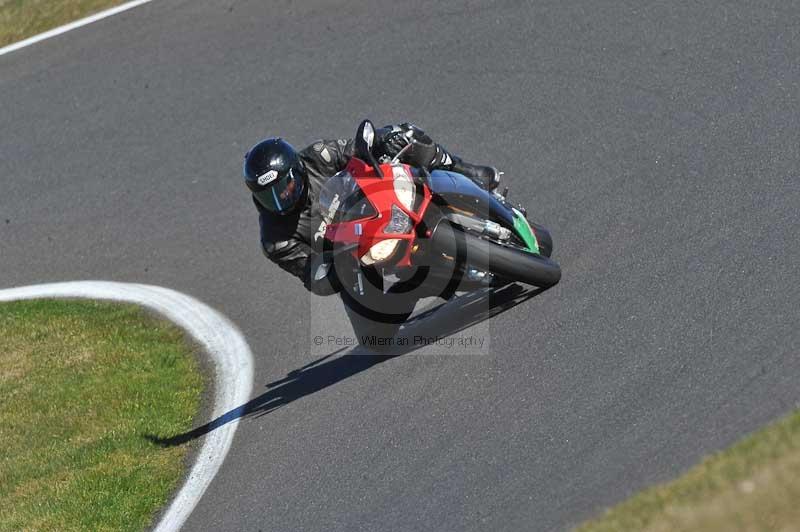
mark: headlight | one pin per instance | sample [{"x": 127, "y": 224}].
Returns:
[
  {"x": 380, "y": 251},
  {"x": 404, "y": 188},
  {"x": 399, "y": 223}
]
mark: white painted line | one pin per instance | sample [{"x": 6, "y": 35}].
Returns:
[
  {"x": 233, "y": 365},
  {"x": 71, "y": 26}
]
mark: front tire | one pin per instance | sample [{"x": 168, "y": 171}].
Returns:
[{"x": 376, "y": 316}]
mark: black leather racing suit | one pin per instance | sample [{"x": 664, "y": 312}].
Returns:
[{"x": 293, "y": 240}]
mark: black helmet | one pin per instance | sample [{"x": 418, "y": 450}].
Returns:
[{"x": 275, "y": 175}]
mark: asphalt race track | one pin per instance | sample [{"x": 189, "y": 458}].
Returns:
[{"x": 660, "y": 144}]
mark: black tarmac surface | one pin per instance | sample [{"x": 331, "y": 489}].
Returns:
[{"x": 659, "y": 143}]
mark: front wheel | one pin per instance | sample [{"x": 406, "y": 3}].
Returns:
[
  {"x": 504, "y": 261},
  {"x": 375, "y": 315}
]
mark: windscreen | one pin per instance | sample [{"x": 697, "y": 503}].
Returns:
[{"x": 342, "y": 200}]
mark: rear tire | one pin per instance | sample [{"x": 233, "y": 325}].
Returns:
[
  {"x": 543, "y": 238},
  {"x": 504, "y": 261}
]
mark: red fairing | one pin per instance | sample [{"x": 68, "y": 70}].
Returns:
[{"x": 381, "y": 194}]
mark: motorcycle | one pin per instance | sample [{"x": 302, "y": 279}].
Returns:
[{"x": 396, "y": 233}]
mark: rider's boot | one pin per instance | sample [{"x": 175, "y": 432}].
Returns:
[{"x": 486, "y": 177}]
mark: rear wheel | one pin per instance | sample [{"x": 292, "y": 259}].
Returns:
[
  {"x": 505, "y": 261},
  {"x": 543, "y": 238}
]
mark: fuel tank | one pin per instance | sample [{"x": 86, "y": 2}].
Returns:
[{"x": 459, "y": 191}]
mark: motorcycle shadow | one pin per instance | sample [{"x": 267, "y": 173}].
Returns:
[
  {"x": 442, "y": 320},
  {"x": 463, "y": 311}
]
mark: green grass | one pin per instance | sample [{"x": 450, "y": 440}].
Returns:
[
  {"x": 23, "y": 18},
  {"x": 81, "y": 384},
  {"x": 754, "y": 485}
]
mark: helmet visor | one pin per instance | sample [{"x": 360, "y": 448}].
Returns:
[{"x": 283, "y": 195}]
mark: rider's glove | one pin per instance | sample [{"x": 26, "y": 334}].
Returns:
[
  {"x": 392, "y": 139},
  {"x": 320, "y": 277}
]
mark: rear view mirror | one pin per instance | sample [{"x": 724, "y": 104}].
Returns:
[
  {"x": 368, "y": 133},
  {"x": 364, "y": 142}
]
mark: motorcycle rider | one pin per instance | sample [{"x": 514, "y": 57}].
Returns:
[{"x": 285, "y": 183}]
